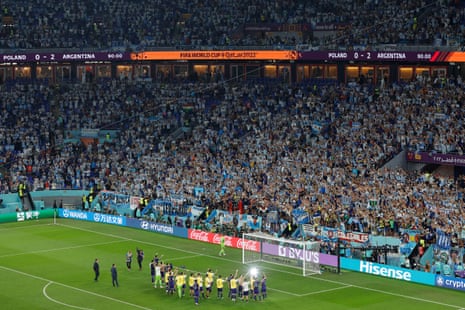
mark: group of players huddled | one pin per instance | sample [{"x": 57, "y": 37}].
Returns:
[{"x": 243, "y": 287}]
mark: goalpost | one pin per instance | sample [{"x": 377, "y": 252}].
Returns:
[{"x": 304, "y": 255}]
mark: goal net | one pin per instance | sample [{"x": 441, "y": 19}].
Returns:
[{"x": 303, "y": 255}]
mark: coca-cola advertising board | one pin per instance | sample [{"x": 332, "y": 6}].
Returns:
[{"x": 214, "y": 238}]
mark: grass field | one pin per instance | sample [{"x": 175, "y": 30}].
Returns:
[{"x": 49, "y": 266}]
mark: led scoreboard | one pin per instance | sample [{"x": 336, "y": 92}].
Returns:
[
  {"x": 217, "y": 55},
  {"x": 64, "y": 57}
]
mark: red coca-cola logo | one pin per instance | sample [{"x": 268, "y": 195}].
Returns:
[
  {"x": 248, "y": 245},
  {"x": 198, "y": 235},
  {"x": 216, "y": 238}
]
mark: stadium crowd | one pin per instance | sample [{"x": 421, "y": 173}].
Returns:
[
  {"x": 269, "y": 146},
  {"x": 135, "y": 24},
  {"x": 251, "y": 146}
]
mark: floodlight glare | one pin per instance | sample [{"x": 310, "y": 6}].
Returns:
[{"x": 253, "y": 271}]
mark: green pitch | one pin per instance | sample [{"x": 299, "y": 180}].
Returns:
[{"x": 49, "y": 266}]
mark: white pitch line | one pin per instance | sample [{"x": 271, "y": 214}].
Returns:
[
  {"x": 143, "y": 242},
  {"x": 327, "y": 290},
  {"x": 181, "y": 257},
  {"x": 61, "y": 249},
  {"x": 311, "y": 293},
  {"x": 74, "y": 288},
  {"x": 44, "y": 291},
  {"x": 408, "y": 297},
  {"x": 9, "y": 228}
]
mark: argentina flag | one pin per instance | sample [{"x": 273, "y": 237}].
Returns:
[
  {"x": 316, "y": 127},
  {"x": 442, "y": 240}
]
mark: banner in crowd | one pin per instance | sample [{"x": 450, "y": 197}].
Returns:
[
  {"x": 300, "y": 216},
  {"x": 195, "y": 211},
  {"x": 334, "y": 234},
  {"x": 225, "y": 217},
  {"x": 114, "y": 199},
  {"x": 309, "y": 230},
  {"x": 272, "y": 217},
  {"x": 409, "y": 234},
  {"x": 443, "y": 240},
  {"x": 89, "y": 133},
  {"x": 134, "y": 202},
  {"x": 252, "y": 221},
  {"x": 317, "y": 126}
]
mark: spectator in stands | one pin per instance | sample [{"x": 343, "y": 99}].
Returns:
[{"x": 180, "y": 24}]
